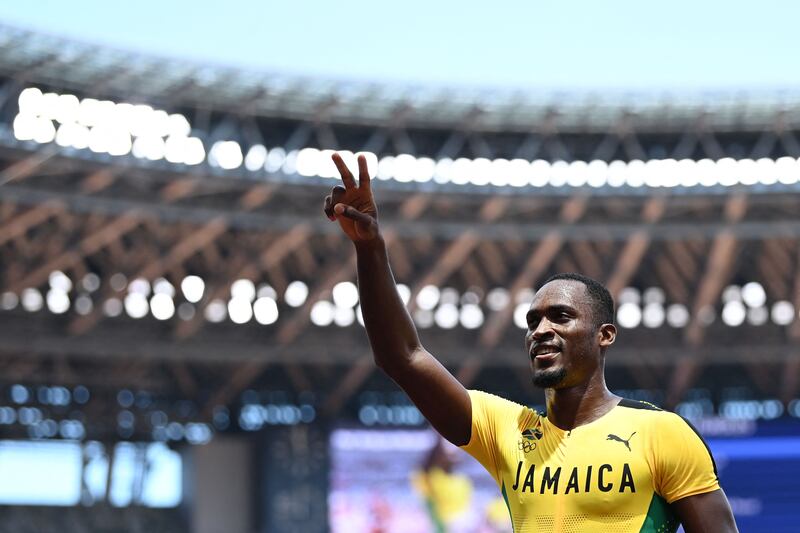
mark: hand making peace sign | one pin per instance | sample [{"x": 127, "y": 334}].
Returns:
[{"x": 353, "y": 206}]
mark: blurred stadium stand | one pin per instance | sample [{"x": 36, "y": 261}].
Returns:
[{"x": 167, "y": 274}]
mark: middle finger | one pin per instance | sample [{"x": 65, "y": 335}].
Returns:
[{"x": 347, "y": 177}]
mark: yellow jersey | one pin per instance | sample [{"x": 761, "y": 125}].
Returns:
[{"x": 618, "y": 473}]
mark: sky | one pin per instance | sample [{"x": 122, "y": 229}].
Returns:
[{"x": 682, "y": 45}]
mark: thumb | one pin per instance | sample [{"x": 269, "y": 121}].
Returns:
[{"x": 352, "y": 213}]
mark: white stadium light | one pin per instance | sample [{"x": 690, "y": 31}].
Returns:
[
  {"x": 629, "y": 315},
  {"x": 256, "y": 158},
  {"x": 178, "y": 126},
  {"x": 112, "y": 307},
  {"x": 192, "y": 288},
  {"x": 597, "y": 174},
  {"x": 122, "y": 128},
  {"x": 322, "y": 313},
  {"x": 265, "y": 310},
  {"x": 757, "y": 316},
  {"x": 446, "y": 316},
  {"x": 753, "y": 294},
  {"x": 57, "y": 301},
  {"x": 385, "y": 168},
  {"x": 215, "y": 311},
  {"x": 783, "y": 313},
  {"x": 481, "y": 171},
  {"x": 617, "y": 173},
  {"x": 266, "y": 290},
  {"x": 404, "y": 292},
  {"x": 441, "y": 173},
  {"x": 83, "y": 305},
  {"x": 32, "y": 300},
  {"x": 635, "y": 173},
  {"x": 577, "y": 172},
  {"x": 8, "y": 301},
  {"x": 460, "y": 171},
  {"x": 193, "y": 151},
  {"x": 162, "y": 286},
  {"x": 59, "y": 280},
  {"x": 629, "y": 295},
  {"x": 244, "y": 289},
  {"x": 289, "y": 166},
  {"x": 428, "y": 297},
  {"x": 344, "y": 316},
  {"x": 653, "y": 315},
  {"x": 139, "y": 286},
  {"x": 521, "y": 315},
  {"x": 559, "y": 174},
  {"x": 732, "y": 293},
  {"x": 239, "y": 310},
  {"x": 308, "y": 162},
  {"x": 136, "y": 305},
  {"x": 296, "y": 294},
  {"x": 151, "y": 148},
  {"x": 734, "y": 313},
  {"x": 471, "y": 316},
  {"x": 539, "y": 173},
  {"x": 345, "y": 294},
  {"x": 275, "y": 159},
  {"x": 162, "y": 306},
  {"x": 423, "y": 318},
  {"x": 787, "y": 170},
  {"x": 521, "y": 172},
  {"x": 226, "y": 155},
  {"x": 498, "y": 299},
  {"x": 30, "y": 101},
  {"x": 677, "y": 315}
]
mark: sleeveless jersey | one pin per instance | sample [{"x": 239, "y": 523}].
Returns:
[{"x": 617, "y": 473}]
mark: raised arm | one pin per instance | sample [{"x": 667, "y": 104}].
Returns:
[{"x": 395, "y": 344}]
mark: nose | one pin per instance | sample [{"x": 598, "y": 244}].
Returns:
[{"x": 542, "y": 331}]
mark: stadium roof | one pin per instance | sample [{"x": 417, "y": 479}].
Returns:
[{"x": 97, "y": 69}]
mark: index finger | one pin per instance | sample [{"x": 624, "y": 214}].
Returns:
[
  {"x": 363, "y": 173},
  {"x": 347, "y": 177}
]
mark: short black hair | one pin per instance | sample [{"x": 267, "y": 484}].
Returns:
[{"x": 601, "y": 301}]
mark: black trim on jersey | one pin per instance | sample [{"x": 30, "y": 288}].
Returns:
[
  {"x": 699, "y": 436},
  {"x": 636, "y": 404}
]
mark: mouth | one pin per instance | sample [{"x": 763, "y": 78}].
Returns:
[{"x": 545, "y": 352}]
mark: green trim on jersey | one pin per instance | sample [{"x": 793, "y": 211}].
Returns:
[
  {"x": 508, "y": 506},
  {"x": 659, "y": 517}
]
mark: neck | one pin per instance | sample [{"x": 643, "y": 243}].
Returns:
[{"x": 570, "y": 407}]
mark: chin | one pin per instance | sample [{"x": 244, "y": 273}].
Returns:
[{"x": 549, "y": 378}]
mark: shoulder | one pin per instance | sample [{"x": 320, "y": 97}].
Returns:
[
  {"x": 662, "y": 423},
  {"x": 484, "y": 402},
  {"x": 655, "y": 415},
  {"x": 668, "y": 427}
]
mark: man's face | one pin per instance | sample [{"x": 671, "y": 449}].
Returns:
[{"x": 562, "y": 339}]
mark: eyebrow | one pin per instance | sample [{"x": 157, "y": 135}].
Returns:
[{"x": 558, "y": 308}]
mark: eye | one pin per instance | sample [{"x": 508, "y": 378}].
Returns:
[{"x": 561, "y": 316}]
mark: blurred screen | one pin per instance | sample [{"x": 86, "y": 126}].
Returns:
[
  {"x": 391, "y": 481},
  {"x": 387, "y": 480}
]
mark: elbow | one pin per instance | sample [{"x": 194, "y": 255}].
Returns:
[{"x": 396, "y": 362}]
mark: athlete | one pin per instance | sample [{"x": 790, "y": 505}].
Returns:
[{"x": 595, "y": 461}]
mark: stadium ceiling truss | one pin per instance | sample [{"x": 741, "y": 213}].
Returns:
[{"x": 63, "y": 213}]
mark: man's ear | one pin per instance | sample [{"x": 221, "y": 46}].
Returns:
[{"x": 607, "y": 334}]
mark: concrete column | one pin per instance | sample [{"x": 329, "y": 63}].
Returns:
[{"x": 218, "y": 486}]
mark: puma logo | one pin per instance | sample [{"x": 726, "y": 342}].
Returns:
[{"x": 626, "y": 442}]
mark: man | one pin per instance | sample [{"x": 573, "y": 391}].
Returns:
[{"x": 595, "y": 462}]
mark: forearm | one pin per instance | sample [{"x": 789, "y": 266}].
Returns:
[{"x": 390, "y": 329}]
